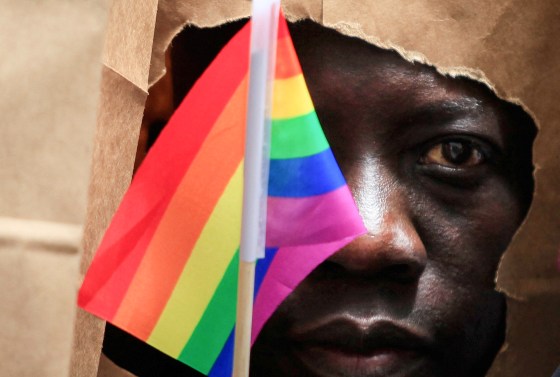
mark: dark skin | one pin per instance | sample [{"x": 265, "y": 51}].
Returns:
[
  {"x": 441, "y": 172},
  {"x": 437, "y": 168}
]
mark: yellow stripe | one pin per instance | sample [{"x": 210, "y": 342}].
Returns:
[
  {"x": 209, "y": 260},
  {"x": 290, "y": 98}
]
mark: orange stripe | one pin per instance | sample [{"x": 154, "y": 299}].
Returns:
[
  {"x": 287, "y": 62},
  {"x": 184, "y": 219}
]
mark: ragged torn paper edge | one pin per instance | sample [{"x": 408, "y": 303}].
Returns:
[
  {"x": 517, "y": 297},
  {"x": 171, "y": 17},
  {"x": 353, "y": 29}
]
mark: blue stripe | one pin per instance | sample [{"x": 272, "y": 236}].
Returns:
[
  {"x": 306, "y": 176},
  {"x": 262, "y": 267},
  {"x": 223, "y": 367}
]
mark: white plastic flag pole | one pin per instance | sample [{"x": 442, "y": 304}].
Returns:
[{"x": 264, "y": 31}]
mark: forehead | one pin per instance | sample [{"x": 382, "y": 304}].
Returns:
[
  {"x": 351, "y": 79},
  {"x": 373, "y": 91},
  {"x": 353, "y": 68}
]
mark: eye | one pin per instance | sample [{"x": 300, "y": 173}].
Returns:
[{"x": 454, "y": 154}]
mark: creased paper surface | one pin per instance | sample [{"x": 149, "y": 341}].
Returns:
[
  {"x": 511, "y": 45},
  {"x": 120, "y": 114},
  {"x": 49, "y": 79}
]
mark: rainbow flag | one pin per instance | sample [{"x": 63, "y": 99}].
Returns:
[{"x": 166, "y": 269}]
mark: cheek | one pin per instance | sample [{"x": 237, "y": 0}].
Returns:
[
  {"x": 465, "y": 234},
  {"x": 466, "y": 237},
  {"x": 468, "y": 323}
]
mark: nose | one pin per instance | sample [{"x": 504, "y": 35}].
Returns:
[{"x": 392, "y": 248}]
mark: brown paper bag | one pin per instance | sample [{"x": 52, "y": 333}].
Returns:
[
  {"x": 510, "y": 45},
  {"x": 50, "y": 74}
]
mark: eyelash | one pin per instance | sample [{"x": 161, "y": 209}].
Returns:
[
  {"x": 455, "y": 149},
  {"x": 459, "y": 175}
]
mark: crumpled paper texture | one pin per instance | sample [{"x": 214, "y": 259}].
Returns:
[
  {"x": 511, "y": 45},
  {"x": 49, "y": 75}
]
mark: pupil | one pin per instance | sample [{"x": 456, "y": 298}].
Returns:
[{"x": 456, "y": 152}]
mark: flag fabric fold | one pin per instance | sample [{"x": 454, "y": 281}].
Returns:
[{"x": 166, "y": 269}]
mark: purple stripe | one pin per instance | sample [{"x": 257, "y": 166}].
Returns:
[
  {"x": 290, "y": 266},
  {"x": 311, "y": 220}
]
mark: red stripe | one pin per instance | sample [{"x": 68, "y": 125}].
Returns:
[
  {"x": 107, "y": 282},
  {"x": 162, "y": 170},
  {"x": 287, "y": 62},
  {"x": 185, "y": 218},
  {"x": 283, "y": 30}
]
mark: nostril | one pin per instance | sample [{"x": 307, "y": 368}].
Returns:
[
  {"x": 395, "y": 254},
  {"x": 399, "y": 269},
  {"x": 331, "y": 268},
  {"x": 402, "y": 272}
]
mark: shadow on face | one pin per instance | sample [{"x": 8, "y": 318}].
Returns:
[{"x": 441, "y": 172}]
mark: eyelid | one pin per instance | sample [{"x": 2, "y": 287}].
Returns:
[
  {"x": 422, "y": 132},
  {"x": 463, "y": 177},
  {"x": 488, "y": 149},
  {"x": 470, "y": 155}
]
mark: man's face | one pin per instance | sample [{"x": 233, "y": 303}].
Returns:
[{"x": 441, "y": 174}]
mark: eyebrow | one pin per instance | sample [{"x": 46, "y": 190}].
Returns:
[
  {"x": 447, "y": 108},
  {"x": 444, "y": 112}
]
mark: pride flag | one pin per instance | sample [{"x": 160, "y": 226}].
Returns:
[{"x": 166, "y": 269}]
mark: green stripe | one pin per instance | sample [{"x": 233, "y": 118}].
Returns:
[
  {"x": 211, "y": 333},
  {"x": 297, "y": 137}
]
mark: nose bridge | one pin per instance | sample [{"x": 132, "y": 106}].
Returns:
[{"x": 392, "y": 241}]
